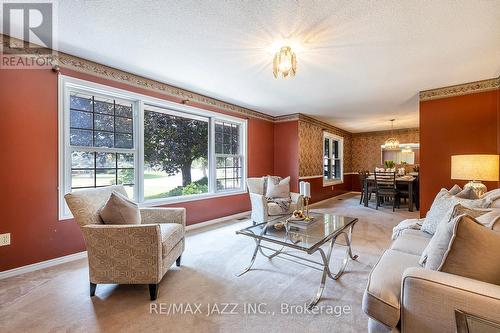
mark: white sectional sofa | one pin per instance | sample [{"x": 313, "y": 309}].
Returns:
[{"x": 402, "y": 296}]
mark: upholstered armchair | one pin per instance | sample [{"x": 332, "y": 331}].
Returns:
[
  {"x": 128, "y": 254},
  {"x": 262, "y": 209}
]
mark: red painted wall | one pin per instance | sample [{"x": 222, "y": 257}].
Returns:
[
  {"x": 28, "y": 133},
  {"x": 320, "y": 192},
  {"x": 286, "y": 152},
  {"x": 468, "y": 124},
  {"x": 356, "y": 185}
]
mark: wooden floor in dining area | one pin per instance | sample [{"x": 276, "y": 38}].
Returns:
[{"x": 56, "y": 299}]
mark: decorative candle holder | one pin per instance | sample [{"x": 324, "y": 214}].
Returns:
[
  {"x": 307, "y": 218},
  {"x": 305, "y": 191}
]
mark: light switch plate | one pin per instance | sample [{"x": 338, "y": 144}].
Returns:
[{"x": 4, "y": 239}]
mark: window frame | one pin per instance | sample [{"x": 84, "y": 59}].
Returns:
[
  {"x": 67, "y": 84},
  {"x": 332, "y": 137},
  {"x": 241, "y": 155}
]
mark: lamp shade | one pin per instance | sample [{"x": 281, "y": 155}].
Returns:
[{"x": 474, "y": 167}]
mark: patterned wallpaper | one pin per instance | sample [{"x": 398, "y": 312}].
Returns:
[
  {"x": 366, "y": 146},
  {"x": 311, "y": 147}
]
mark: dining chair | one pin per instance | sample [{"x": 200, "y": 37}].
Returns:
[
  {"x": 385, "y": 183},
  {"x": 404, "y": 192},
  {"x": 363, "y": 175}
]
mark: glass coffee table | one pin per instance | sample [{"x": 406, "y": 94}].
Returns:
[{"x": 295, "y": 237}]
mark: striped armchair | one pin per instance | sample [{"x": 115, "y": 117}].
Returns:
[{"x": 128, "y": 254}]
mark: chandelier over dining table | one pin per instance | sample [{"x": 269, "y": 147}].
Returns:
[{"x": 392, "y": 142}]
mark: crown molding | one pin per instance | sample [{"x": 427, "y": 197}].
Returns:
[
  {"x": 77, "y": 64},
  {"x": 89, "y": 67},
  {"x": 322, "y": 124},
  {"x": 460, "y": 89},
  {"x": 387, "y": 132},
  {"x": 287, "y": 117},
  {"x": 313, "y": 121}
]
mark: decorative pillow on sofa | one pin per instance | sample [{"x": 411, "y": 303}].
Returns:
[
  {"x": 455, "y": 190},
  {"x": 432, "y": 256},
  {"x": 120, "y": 210},
  {"x": 442, "y": 208},
  {"x": 491, "y": 219},
  {"x": 278, "y": 189},
  {"x": 473, "y": 252},
  {"x": 493, "y": 196},
  {"x": 467, "y": 193}
]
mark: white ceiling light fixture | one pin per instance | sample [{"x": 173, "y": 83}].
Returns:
[
  {"x": 285, "y": 63},
  {"x": 392, "y": 142}
]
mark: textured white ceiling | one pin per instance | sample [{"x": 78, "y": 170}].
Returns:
[{"x": 360, "y": 63}]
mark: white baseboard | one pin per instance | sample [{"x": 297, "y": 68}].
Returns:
[
  {"x": 43, "y": 264},
  {"x": 217, "y": 220},
  {"x": 80, "y": 255}
]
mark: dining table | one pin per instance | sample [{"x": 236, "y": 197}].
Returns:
[{"x": 407, "y": 181}]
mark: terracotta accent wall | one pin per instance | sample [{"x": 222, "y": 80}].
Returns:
[
  {"x": 286, "y": 151},
  {"x": 366, "y": 153},
  {"x": 29, "y": 196},
  {"x": 467, "y": 124},
  {"x": 28, "y": 131}
]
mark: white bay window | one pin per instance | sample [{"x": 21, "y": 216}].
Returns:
[{"x": 162, "y": 152}]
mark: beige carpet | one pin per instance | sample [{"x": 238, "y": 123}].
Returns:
[{"x": 56, "y": 299}]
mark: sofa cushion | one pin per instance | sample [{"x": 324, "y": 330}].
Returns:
[
  {"x": 473, "y": 252},
  {"x": 382, "y": 294},
  {"x": 411, "y": 243},
  {"x": 171, "y": 234}
]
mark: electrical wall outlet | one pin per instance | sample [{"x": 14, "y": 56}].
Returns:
[{"x": 4, "y": 239}]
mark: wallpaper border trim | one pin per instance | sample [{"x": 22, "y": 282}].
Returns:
[
  {"x": 322, "y": 124},
  {"x": 77, "y": 64},
  {"x": 460, "y": 89},
  {"x": 386, "y": 132}
]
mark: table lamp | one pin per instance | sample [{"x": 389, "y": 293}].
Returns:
[{"x": 475, "y": 168}]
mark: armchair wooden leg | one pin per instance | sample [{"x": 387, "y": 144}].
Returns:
[
  {"x": 92, "y": 288},
  {"x": 178, "y": 261},
  {"x": 153, "y": 291}
]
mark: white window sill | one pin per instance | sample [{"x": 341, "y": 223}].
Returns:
[{"x": 188, "y": 198}]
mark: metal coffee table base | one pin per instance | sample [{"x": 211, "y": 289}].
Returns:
[{"x": 323, "y": 266}]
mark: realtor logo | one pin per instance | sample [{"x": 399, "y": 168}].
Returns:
[{"x": 28, "y": 35}]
